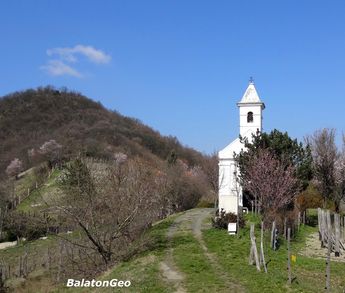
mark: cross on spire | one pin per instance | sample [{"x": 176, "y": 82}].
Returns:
[{"x": 251, "y": 80}]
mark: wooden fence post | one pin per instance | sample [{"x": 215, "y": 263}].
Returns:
[
  {"x": 329, "y": 227},
  {"x": 273, "y": 234},
  {"x": 328, "y": 268},
  {"x": 323, "y": 222},
  {"x": 305, "y": 217},
  {"x": 337, "y": 235},
  {"x": 344, "y": 228},
  {"x": 289, "y": 255},
  {"x": 262, "y": 254},
  {"x": 319, "y": 221},
  {"x": 2, "y": 283},
  {"x": 20, "y": 270},
  {"x": 253, "y": 257},
  {"x": 25, "y": 263},
  {"x": 58, "y": 276}
]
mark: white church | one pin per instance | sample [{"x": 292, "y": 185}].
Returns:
[{"x": 230, "y": 192}]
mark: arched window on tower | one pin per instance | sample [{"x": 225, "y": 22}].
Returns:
[{"x": 250, "y": 117}]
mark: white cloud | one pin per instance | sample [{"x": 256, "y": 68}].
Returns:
[
  {"x": 70, "y": 54},
  {"x": 58, "y": 68}
]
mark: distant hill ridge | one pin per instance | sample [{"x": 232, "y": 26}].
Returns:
[{"x": 31, "y": 117}]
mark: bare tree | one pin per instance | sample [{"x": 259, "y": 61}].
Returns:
[
  {"x": 52, "y": 151},
  {"x": 339, "y": 192},
  {"x": 120, "y": 158},
  {"x": 273, "y": 183},
  {"x": 183, "y": 188},
  {"x": 14, "y": 168},
  {"x": 112, "y": 215},
  {"x": 33, "y": 156},
  {"x": 211, "y": 170},
  {"x": 325, "y": 155}
]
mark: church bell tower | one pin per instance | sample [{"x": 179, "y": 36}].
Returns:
[
  {"x": 230, "y": 191},
  {"x": 250, "y": 108}
]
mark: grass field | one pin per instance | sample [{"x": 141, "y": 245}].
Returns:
[
  {"x": 142, "y": 270},
  {"x": 38, "y": 198},
  {"x": 230, "y": 252},
  {"x": 309, "y": 273}
]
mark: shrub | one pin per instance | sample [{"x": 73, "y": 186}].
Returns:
[
  {"x": 310, "y": 198},
  {"x": 222, "y": 219},
  {"x": 14, "y": 168},
  {"x": 20, "y": 224},
  {"x": 41, "y": 173},
  {"x": 205, "y": 204}
]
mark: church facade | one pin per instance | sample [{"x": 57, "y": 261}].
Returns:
[{"x": 230, "y": 197}]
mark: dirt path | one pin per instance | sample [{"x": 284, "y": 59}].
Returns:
[
  {"x": 313, "y": 249},
  {"x": 5, "y": 245},
  {"x": 193, "y": 221}
]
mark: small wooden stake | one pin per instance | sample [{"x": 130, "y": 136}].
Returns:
[
  {"x": 289, "y": 255},
  {"x": 328, "y": 268}
]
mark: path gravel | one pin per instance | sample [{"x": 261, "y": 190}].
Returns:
[
  {"x": 193, "y": 221},
  {"x": 313, "y": 249}
]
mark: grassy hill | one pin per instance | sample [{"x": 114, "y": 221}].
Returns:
[
  {"x": 89, "y": 207},
  {"x": 38, "y": 198}
]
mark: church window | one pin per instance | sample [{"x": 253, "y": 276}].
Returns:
[{"x": 250, "y": 117}]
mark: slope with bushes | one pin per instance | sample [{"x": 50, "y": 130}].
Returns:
[
  {"x": 93, "y": 183},
  {"x": 31, "y": 117}
]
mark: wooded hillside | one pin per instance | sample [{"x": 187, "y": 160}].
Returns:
[{"x": 31, "y": 117}]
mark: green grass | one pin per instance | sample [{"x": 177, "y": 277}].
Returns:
[
  {"x": 143, "y": 269},
  {"x": 143, "y": 272},
  {"x": 22, "y": 184},
  {"x": 41, "y": 195},
  {"x": 192, "y": 262},
  {"x": 39, "y": 246},
  {"x": 233, "y": 253},
  {"x": 37, "y": 251}
]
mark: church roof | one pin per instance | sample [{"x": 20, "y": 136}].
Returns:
[
  {"x": 251, "y": 95},
  {"x": 230, "y": 149},
  {"x": 234, "y": 147}
]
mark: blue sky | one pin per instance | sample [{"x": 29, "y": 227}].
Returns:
[{"x": 181, "y": 66}]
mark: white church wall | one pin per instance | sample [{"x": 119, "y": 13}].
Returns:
[
  {"x": 228, "y": 186},
  {"x": 228, "y": 203}
]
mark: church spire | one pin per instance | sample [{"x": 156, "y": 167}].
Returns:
[
  {"x": 250, "y": 95},
  {"x": 250, "y": 108}
]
